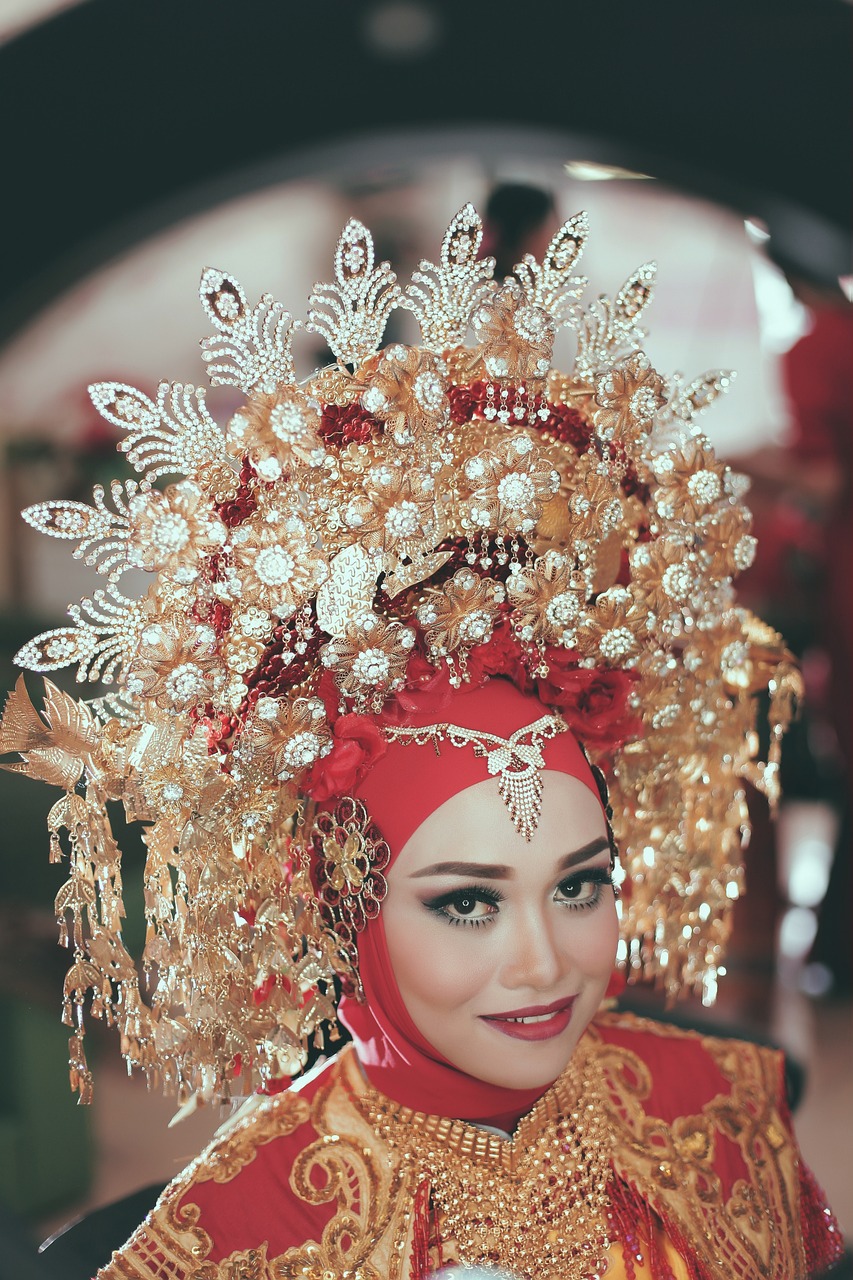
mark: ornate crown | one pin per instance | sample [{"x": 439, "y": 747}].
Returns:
[{"x": 406, "y": 516}]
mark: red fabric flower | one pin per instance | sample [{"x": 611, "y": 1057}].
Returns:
[
  {"x": 357, "y": 745},
  {"x": 501, "y": 655},
  {"x": 593, "y": 702},
  {"x": 347, "y": 424}
]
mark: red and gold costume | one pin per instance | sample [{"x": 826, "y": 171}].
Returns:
[
  {"x": 417, "y": 569},
  {"x": 707, "y": 1181}
]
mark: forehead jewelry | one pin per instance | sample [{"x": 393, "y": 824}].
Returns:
[{"x": 517, "y": 760}]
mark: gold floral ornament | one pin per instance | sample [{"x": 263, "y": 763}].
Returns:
[
  {"x": 275, "y": 564},
  {"x": 628, "y": 397},
  {"x": 369, "y": 660},
  {"x": 516, "y": 338},
  {"x": 608, "y": 635},
  {"x": 294, "y": 735},
  {"x": 348, "y": 857},
  {"x": 549, "y": 600},
  {"x": 691, "y": 482},
  {"x": 173, "y": 531},
  {"x": 665, "y": 582},
  {"x": 459, "y": 614},
  {"x": 507, "y": 487},
  {"x": 177, "y": 665},
  {"x": 278, "y": 433},
  {"x": 395, "y": 511},
  {"x": 408, "y": 393}
]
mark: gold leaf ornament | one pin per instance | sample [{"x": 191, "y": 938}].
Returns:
[{"x": 348, "y": 590}]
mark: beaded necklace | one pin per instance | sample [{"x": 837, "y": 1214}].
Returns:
[{"x": 535, "y": 1204}]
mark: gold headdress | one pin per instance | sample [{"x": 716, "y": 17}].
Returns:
[{"x": 455, "y": 506}]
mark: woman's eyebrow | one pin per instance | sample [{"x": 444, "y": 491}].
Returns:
[{"x": 496, "y": 871}]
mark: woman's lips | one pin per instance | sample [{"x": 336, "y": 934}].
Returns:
[{"x": 536, "y": 1022}]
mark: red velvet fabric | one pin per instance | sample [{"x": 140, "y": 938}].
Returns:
[{"x": 401, "y": 790}]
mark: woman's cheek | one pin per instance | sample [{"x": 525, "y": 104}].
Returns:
[{"x": 436, "y": 962}]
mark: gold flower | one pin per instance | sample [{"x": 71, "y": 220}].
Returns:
[
  {"x": 691, "y": 482},
  {"x": 289, "y": 736},
  {"x": 348, "y": 863},
  {"x": 548, "y": 599},
  {"x": 725, "y": 537},
  {"x": 516, "y": 338},
  {"x": 508, "y": 487},
  {"x": 460, "y": 613},
  {"x": 611, "y": 629},
  {"x": 395, "y": 511},
  {"x": 408, "y": 393},
  {"x": 276, "y": 563},
  {"x": 172, "y": 531},
  {"x": 176, "y": 665},
  {"x": 369, "y": 660},
  {"x": 595, "y": 503},
  {"x": 664, "y": 579},
  {"x": 278, "y": 432},
  {"x": 628, "y": 398}
]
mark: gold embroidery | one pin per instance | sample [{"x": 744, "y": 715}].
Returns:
[
  {"x": 246, "y": 1264},
  {"x": 753, "y": 1230},
  {"x": 348, "y": 1166},
  {"x": 170, "y": 1245}
]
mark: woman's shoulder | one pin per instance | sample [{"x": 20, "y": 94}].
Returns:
[
  {"x": 680, "y": 1070},
  {"x": 238, "y": 1192}
]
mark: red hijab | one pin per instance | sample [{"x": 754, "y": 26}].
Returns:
[{"x": 401, "y": 790}]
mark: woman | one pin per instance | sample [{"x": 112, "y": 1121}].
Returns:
[{"x": 448, "y": 600}]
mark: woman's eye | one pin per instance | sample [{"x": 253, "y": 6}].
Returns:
[
  {"x": 584, "y": 890},
  {"x": 465, "y": 907}
]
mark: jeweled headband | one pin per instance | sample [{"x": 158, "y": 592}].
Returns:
[{"x": 405, "y": 519}]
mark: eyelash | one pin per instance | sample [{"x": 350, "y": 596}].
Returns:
[{"x": 482, "y": 893}]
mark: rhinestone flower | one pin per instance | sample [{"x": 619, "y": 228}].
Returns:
[
  {"x": 516, "y": 338},
  {"x": 611, "y": 629},
  {"x": 176, "y": 665},
  {"x": 690, "y": 482},
  {"x": 408, "y": 393},
  {"x": 508, "y": 487},
  {"x": 460, "y": 613},
  {"x": 548, "y": 601},
  {"x": 663, "y": 578},
  {"x": 628, "y": 397},
  {"x": 395, "y": 511},
  {"x": 369, "y": 659},
  {"x": 289, "y": 737},
  {"x": 278, "y": 433},
  {"x": 172, "y": 531},
  {"x": 595, "y": 503},
  {"x": 276, "y": 564}
]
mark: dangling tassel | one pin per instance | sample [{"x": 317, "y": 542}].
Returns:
[
  {"x": 638, "y": 1229},
  {"x": 422, "y": 1214}
]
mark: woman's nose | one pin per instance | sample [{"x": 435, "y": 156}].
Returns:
[{"x": 532, "y": 958}]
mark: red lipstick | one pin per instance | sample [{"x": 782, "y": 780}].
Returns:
[{"x": 534, "y": 1022}]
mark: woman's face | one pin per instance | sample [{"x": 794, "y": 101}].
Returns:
[{"x": 502, "y": 948}]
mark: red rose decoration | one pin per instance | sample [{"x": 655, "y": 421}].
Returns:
[
  {"x": 357, "y": 745},
  {"x": 593, "y": 702},
  {"x": 501, "y": 655},
  {"x": 426, "y": 692}
]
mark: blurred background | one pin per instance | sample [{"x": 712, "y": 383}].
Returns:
[{"x": 145, "y": 140}]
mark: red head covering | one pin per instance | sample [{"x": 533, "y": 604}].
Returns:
[{"x": 401, "y": 790}]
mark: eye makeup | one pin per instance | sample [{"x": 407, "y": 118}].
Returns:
[{"x": 579, "y": 892}]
